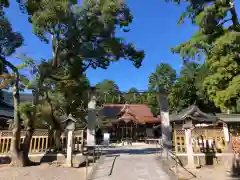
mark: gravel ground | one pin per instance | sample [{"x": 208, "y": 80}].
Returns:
[{"x": 42, "y": 172}]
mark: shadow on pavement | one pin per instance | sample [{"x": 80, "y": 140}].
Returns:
[{"x": 143, "y": 151}]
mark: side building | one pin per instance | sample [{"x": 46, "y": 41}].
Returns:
[{"x": 6, "y": 107}]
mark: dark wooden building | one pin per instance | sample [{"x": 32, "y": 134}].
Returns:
[
  {"x": 6, "y": 107},
  {"x": 128, "y": 121}
]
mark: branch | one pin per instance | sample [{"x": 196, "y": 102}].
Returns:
[
  {"x": 234, "y": 15},
  {"x": 87, "y": 66},
  {"x": 224, "y": 21},
  {"x": 7, "y": 63},
  {"x": 55, "y": 78}
]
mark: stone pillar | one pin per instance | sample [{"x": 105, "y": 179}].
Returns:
[
  {"x": 69, "y": 149},
  {"x": 188, "y": 134},
  {"x": 91, "y": 123},
  {"x": 165, "y": 125},
  {"x": 226, "y": 132}
]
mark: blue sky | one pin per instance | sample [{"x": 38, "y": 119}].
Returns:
[{"x": 153, "y": 29}]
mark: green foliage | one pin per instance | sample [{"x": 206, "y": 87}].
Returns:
[
  {"x": 132, "y": 97},
  {"x": 108, "y": 93},
  {"x": 188, "y": 89},
  {"x": 83, "y": 36},
  {"x": 9, "y": 40},
  {"x": 27, "y": 111},
  {"x": 163, "y": 77},
  {"x": 70, "y": 96},
  {"x": 217, "y": 40}
]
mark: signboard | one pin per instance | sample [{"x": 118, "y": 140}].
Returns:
[{"x": 106, "y": 139}]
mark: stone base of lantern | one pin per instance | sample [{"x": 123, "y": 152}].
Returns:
[
  {"x": 190, "y": 166},
  {"x": 68, "y": 165}
]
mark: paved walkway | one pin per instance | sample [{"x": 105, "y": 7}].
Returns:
[{"x": 138, "y": 163}]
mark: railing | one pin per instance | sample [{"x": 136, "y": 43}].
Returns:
[
  {"x": 200, "y": 137},
  {"x": 174, "y": 157},
  {"x": 41, "y": 141}
]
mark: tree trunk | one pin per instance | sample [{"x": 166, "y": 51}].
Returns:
[
  {"x": 28, "y": 137},
  {"x": 17, "y": 158},
  {"x": 56, "y": 126},
  {"x": 56, "y": 139},
  {"x": 234, "y": 15},
  {"x": 26, "y": 146}
]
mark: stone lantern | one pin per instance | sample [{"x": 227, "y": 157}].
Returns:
[{"x": 69, "y": 125}]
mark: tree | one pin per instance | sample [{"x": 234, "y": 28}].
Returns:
[
  {"x": 132, "y": 96},
  {"x": 82, "y": 37},
  {"x": 108, "y": 92},
  {"x": 163, "y": 77},
  {"x": 188, "y": 90},
  {"x": 9, "y": 41},
  {"x": 216, "y": 40}
]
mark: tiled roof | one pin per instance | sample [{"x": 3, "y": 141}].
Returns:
[
  {"x": 229, "y": 117},
  {"x": 23, "y": 97},
  {"x": 194, "y": 113},
  {"x": 126, "y": 112}
]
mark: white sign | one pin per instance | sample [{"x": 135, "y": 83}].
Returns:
[{"x": 106, "y": 138}]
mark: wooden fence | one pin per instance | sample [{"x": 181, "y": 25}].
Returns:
[
  {"x": 203, "y": 139},
  {"x": 41, "y": 141}
]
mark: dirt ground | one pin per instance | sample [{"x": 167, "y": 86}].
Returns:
[
  {"x": 219, "y": 172},
  {"x": 43, "y": 172}
]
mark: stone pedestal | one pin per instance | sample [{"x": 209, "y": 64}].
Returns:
[{"x": 69, "y": 149}]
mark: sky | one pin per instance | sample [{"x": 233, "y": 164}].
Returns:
[{"x": 154, "y": 29}]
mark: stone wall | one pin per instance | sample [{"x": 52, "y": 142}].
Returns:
[{"x": 236, "y": 144}]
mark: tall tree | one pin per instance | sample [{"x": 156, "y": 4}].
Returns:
[
  {"x": 163, "y": 77},
  {"x": 188, "y": 90},
  {"x": 132, "y": 96},
  {"x": 108, "y": 92},
  {"x": 9, "y": 41},
  {"x": 82, "y": 36},
  {"x": 216, "y": 40}
]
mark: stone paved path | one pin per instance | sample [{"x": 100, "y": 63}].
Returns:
[{"x": 130, "y": 165}]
